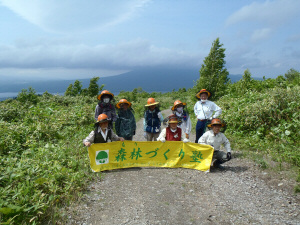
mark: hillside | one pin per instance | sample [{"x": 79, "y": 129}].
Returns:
[{"x": 150, "y": 80}]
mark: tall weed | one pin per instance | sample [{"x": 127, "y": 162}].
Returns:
[
  {"x": 268, "y": 121},
  {"x": 42, "y": 160}
]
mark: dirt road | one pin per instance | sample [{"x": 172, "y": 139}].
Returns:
[{"x": 242, "y": 194}]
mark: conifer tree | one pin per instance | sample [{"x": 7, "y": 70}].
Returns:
[
  {"x": 94, "y": 88},
  {"x": 246, "y": 80},
  {"x": 213, "y": 74},
  {"x": 69, "y": 91},
  {"x": 77, "y": 88}
]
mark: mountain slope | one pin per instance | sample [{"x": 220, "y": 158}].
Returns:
[{"x": 159, "y": 80}]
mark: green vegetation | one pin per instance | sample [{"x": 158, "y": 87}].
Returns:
[
  {"x": 43, "y": 164},
  {"x": 264, "y": 116},
  {"x": 42, "y": 161}
]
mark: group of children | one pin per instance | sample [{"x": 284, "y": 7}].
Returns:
[{"x": 178, "y": 129}]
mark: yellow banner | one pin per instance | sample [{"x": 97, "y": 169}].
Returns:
[{"x": 116, "y": 155}]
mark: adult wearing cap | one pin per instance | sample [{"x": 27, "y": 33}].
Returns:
[
  {"x": 172, "y": 132},
  {"x": 102, "y": 133},
  {"x": 215, "y": 138},
  {"x": 204, "y": 110},
  {"x": 152, "y": 120},
  {"x": 184, "y": 121},
  {"x": 125, "y": 124},
  {"x": 106, "y": 106}
]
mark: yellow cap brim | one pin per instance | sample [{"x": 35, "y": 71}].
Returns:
[
  {"x": 118, "y": 104},
  {"x": 173, "y": 108},
  {"x": 99, "y": 96},
  {"x": 198, "y": 94},
  {"x": 210, "y": 125},
  {"x": 155, "y": 103}
]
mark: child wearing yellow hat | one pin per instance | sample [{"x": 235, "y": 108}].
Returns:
[
  {"x": 106, "y": 106},
  {"x": 102, "y": 133},
  {"x": 125, "y": 124},
  {"x": 184, "y": 121},
  {"x": 152, "y": 120}
]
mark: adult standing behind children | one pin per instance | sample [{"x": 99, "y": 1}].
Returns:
[
  {"x": 125, "y": 124},
  {"x": 204, "y": 110},
  {"x": 152, "y": 120},
  {"x": 106, "y": 107},
  {"x": 184, "y": 121}
]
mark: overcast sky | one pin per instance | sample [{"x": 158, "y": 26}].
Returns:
[{"x": 69, "y": 39}]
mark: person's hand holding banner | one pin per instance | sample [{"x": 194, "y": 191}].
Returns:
[
  {"x": 162, "y": 140},
  {"x": 186, "y": 140},
  {"x": 87, "y": 144}
]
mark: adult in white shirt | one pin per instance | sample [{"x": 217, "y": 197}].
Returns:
[
  {"x": 204, "y": 110},
  {"x": 215, "y": 138}
]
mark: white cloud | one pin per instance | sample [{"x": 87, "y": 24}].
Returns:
[
  {"x": 274, "y": 13},
  {"x": 17, "y": 75},
  {"x": 49, "y": 55},
  {"x": 74, "y": 15},
  {"x": 261, "y": 34},
  {"x": 244, "y": 57}
]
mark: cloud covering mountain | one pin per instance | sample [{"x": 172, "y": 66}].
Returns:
[{"x": 77, "y": 39}]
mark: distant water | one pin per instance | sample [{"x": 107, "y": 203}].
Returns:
[{"x": 6, "y": 95}]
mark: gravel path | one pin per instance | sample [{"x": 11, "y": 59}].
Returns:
[{"x": 242, "y": 194}]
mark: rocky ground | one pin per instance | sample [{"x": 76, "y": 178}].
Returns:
[{"x": 242, "y": 194}]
